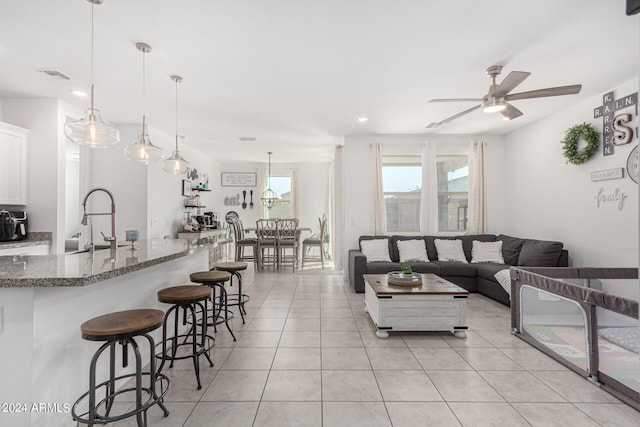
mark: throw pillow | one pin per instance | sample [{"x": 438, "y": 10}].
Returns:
[
  {"x": 504, "y": 278},
  {"x": 450, "y": 250},
  {"x": 511, "y": 247},
  {"x": 412, "y": 250},
  {"x": 540, "y": 253},
  {"x": 376, "y": 250},
  {"x": 487, "y": 252}
]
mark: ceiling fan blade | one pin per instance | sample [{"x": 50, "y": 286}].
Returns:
[
  {"x": 449, "y": 119},
  {"x": 510, "y": 112},
  {"x": 457, "y": 100},
  {"x": 541, "y": 93},
  {"x": 510, "y": 82}
]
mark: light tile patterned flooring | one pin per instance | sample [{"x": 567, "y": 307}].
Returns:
[{"x": 308, "y": 356}]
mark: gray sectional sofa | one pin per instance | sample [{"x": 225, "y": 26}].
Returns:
[{"x": 476, "y": 277}]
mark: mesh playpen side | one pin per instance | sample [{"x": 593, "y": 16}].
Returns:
[{"x": 592, "y": 332}]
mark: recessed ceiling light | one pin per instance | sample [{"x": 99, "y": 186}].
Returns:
[
  {"x": 79, "y": 93},
  {"x": 363, "y": 119}
]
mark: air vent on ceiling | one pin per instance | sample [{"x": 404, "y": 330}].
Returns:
[
  {"x": 247, "y": 139},
  {"x": 55, "y": 74}
]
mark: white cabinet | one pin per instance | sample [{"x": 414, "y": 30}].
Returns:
[
  {"x": 26, "y": 250},
  {"x": 13, "y": 165}
]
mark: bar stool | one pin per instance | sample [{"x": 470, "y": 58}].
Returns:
[
  {"x": 121, "y": 328},
  {"x": 234, "y": 268},
  {"x": 190, "y": 298},
  {"x": 220, "y": 312}
]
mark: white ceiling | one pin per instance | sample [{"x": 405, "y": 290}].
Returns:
[{"x": 297, "y": 74}]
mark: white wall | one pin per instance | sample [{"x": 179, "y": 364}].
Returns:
[
  {"x": 550, "y": 199},
  {"x": 359, "y": 191},
  {"x": 45, "y": 161}
]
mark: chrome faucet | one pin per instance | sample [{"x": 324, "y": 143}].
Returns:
[{"x": 86, "y": 219}]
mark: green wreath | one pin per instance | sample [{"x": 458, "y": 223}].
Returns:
[{"x": 570, "y": 143}]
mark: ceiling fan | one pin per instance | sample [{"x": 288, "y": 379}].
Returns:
[{"x": 496, "y": 100}]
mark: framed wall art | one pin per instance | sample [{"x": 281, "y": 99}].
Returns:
[
  {"x": 186, "y": 187},
  {"x": 239, "y": 179}
]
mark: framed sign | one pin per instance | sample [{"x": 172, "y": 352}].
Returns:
[
  {"x": 239, "y": 179},
  {"x": 186, "y": 187}
]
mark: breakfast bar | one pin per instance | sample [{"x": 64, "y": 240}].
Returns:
[{"x": 45, "y": 299}]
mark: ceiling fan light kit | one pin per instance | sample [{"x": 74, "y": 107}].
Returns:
[{"x": 496, "y": 100}]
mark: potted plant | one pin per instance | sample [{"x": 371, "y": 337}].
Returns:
[{"x": 406, "y": 270}]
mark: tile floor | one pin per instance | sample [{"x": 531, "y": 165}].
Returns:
[{"x": 308, "y": 356}]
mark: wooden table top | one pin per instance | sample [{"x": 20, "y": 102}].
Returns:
[{"x": 431, "y": 285}]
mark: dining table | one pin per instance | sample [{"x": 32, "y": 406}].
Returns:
[{"x": 299, "y": 231}]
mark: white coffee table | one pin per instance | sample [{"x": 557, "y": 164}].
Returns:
[{"x": 436, "y": 305}]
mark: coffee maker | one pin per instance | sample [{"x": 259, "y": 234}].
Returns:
[{"x": 13, "y": 225}]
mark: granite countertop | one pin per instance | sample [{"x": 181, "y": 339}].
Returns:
[
  {"x": 80, "y": 269},
  {"x": 34, "y": 238}
]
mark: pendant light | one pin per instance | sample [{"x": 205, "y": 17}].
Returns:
[
  {"x": 269, "y": 197},
  {"x": 91, "y": 130},
  {"x": 175, "y": 164},
  {"x": 143, "y": 150}
]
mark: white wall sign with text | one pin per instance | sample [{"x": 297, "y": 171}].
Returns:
[
  {"x": 603, "y": 175},
  {"x": 616, "y": 196}
]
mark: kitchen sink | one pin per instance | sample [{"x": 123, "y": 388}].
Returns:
[{"x": 97, "y": 248}]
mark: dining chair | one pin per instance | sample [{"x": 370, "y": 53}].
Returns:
[
  {"x": 288, "y": 240},
  {"x": 267, "y": 242},
  {"x": 310, "y": 243},
  {"x": 242, "y": 242}
]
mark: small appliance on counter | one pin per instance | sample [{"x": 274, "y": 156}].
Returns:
[{"x": 13, "y": 225}]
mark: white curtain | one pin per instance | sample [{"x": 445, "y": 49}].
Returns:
[
  {"x": 429, "y": 193},
  {"x": 262, "y": 187},
  {"x": 477, "y": 215},
  {"x": 294, "y": 192},
  {"x": 336, "y": 221},
  {"x": 380, "y": 212}
]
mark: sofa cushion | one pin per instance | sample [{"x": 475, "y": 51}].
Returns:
[
  {"x": 382, "y": 267},
  {"x": 540, "y": 253},
  {"x": 412, "y": 250},
  {"x": 488, "y": 270},
  {"x": 487, "y": 252},
  {"x": 467, "y": 242},
  {"x": 454, "y": 268},
  {"x": 511, "y": 247},
  {"x": 450, "y": 250},
  {"x": 425, "y": 267},
  {"x": 376, "y": 250}
]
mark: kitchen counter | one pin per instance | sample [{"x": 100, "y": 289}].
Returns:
[
  {"x": 45, "y": 299},
  {"x": 35, "y": 238},
  {"x": 81, "y": 269}
]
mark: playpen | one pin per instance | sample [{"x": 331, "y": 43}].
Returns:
[{"x": 595, "y": 333}]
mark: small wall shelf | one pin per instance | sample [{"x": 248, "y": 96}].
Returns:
[
  {"x": 195, "y": 206},
  {"x": 200, "y": 189}
]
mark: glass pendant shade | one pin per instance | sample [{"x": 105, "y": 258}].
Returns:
[
  {"x": 175, "y": 164},
  {"x": 143, "y": 150},
  {"x": 91, "y": 130}
]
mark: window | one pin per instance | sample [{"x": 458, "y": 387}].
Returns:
[
  {"x": 453, "y": 191},
  {"x": 402, "y": 184},
  {"x": 281, "y": 184}
]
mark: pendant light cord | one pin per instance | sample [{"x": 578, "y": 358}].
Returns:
[
  {"x": 92, "y": 46},
  {"x": 177, "y": 81},
  {"x": 144, "y": 91}
]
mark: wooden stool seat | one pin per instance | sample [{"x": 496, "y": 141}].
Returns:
[
  {"x": 231, "y": 266},
  {"x": 125, "y": 323},
  {"x": 184, "y": 293},
  {"x": 210, "y": 276}
]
